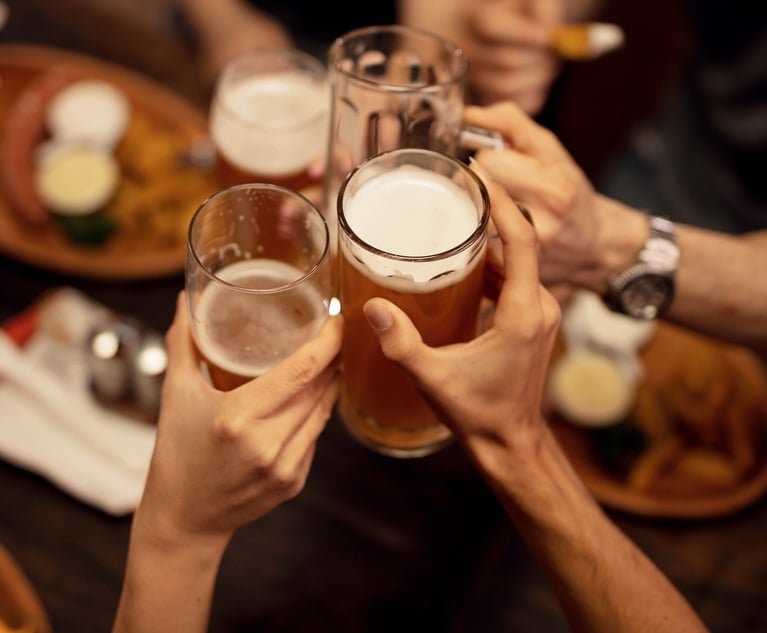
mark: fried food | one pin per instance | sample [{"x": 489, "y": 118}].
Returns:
[
  {"x": 157, "y": 194},
  {"x": 704, "y": 420}
]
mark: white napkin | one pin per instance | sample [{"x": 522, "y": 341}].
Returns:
[{"x": 51, "y": 424}]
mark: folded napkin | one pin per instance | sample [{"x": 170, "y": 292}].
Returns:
[{"x": 51, "y": 424}]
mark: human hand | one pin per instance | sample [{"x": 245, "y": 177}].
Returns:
[
  {"x": 487, "y": 391},
  {"x": 233, "y": 30},
  {"x": 539, "y": 174},
  {"x": 508, "y": 46},
  {"x": 223, "y": 459}
]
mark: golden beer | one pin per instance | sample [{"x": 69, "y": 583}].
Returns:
[
  {"x": 239, "y": 336},
  {"x": 269, "y": 119},
  {"x": 259, "y": 280},
  {"x": 417, "y": 238}
]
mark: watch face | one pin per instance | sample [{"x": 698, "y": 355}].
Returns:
[{"x": 645, "y": 297}]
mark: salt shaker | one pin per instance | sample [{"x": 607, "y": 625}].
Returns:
[
  {"x": 110, "y": 350},
  {"x": 148, "y": 372}
]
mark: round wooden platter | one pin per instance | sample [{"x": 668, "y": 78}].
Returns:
[
  {"x": 662, "y": 359},
  {"x": 47, "y": 247},
  {"x": 20, "y": 606}
]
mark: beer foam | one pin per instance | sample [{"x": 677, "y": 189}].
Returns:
[
  {"x": 247, "y": 333},
  {"x": 412, "y": 212},
  {"x": 274, "y": 124}
]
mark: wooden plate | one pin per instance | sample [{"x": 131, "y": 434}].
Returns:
[
  {"x": 20, "y": 607},
  {"x": 47, "y": 247},
  {"x": 668, "y": 354}
]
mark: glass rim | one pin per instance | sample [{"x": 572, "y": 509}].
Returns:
[
  {"x": 213, "y": 277},
  {"x": 294, "y": 53},
  {"x": 455, "y": 52},
  {"x": 474, "y": 237}
]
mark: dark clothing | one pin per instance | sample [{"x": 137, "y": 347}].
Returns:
[
  {"x": 315, "y": 24},
  {"x": 709, "y": 149}
]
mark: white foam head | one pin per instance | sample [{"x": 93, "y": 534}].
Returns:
[
  {"x": 272, "y": 124},
  {"x": 412, "y": 212}
]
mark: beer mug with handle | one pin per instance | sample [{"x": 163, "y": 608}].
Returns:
[{"x": 394, "y": 87}]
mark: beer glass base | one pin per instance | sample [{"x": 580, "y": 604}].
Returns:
[{"x": 393, "y": 441}]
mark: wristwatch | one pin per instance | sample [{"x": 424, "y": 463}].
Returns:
[{"x": 645, "y": 290}]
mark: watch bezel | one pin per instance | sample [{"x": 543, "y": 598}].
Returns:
[{"x": 623, "y": 284}]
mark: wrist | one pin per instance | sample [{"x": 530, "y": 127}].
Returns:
[
  {"x": 621, "y": 235},
  {"x": 157, "y": 530},
  {"x": 502, "y": 456},
  {"x": 535, "y": 482}
]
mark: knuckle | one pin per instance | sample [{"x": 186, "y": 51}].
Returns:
[
  {"x": 285, "y": 479},
  {"x": 226, "y": 430},
  {"x": 559, "y": 195},
  {"x": 552, "y": 314},
  {"x": 263, "y": 455},
  {"x": 305, "y": 370}
]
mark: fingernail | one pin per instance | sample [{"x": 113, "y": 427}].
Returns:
[
  {"x": 479, "y": 169},
  {"x": 379, "y": 317},
  {"x": 316, "y": 170}
]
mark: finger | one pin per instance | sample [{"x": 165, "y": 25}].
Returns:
[
  {"x": 524, "y": 134},
  {"x": 520, "y": 249},
  {"x": 291, "y": 375},
  {"x": 520, "y": 175},
  {"x": 286, "y": 419},
  {"x": 302, "y": 442},
  {"x": 181, "y": 355},
  {"x": 400, "y": 341},
  {"x": 547, "y": 11}
]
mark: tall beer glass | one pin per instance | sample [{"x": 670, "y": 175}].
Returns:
[
  {"x": 412, "y": 229},
  {"x": 269, "y": 118},
  {"x": 258, "y": 279}
]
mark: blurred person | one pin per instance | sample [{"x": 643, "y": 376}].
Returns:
[
  {"x": 222, "y": 460},
  {"x": 507, "y": 43},
  {"x": 226, "y": 29},
  {"x": 700, "y": 159},
  {"x": 590, "y": 240}
]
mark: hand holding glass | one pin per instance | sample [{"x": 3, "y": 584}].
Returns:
[{"x": 412, "y": 229}]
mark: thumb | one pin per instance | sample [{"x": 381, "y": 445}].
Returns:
[
  {"x": 181, "y": 356},
  {"x": 399, "y": 339}
]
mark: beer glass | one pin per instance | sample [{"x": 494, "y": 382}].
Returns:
[
  {"x": 395, "y": 87},
  {"x": 412, "y": 229},
  {"x": 258, "y": 279},
  {"x": 269, "y": 118}
]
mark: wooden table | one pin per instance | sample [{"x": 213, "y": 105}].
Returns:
[{"x": 372, "y": 544}]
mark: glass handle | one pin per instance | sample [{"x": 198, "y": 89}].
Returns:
[{"x": 472, "y": 138}]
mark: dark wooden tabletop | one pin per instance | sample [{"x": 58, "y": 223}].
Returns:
[{"x": 372, "y": 544}]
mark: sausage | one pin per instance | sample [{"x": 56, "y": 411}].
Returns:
[{"x": 24, "y": 129}]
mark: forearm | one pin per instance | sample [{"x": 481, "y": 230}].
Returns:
[
  {"x": 206, "y": 15},
  {"x": 720, "y": 288},
  {"x": 168, "y": 582},
  {"x": 217, "y": 20},
  {"x": 602, "y": 580}
]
